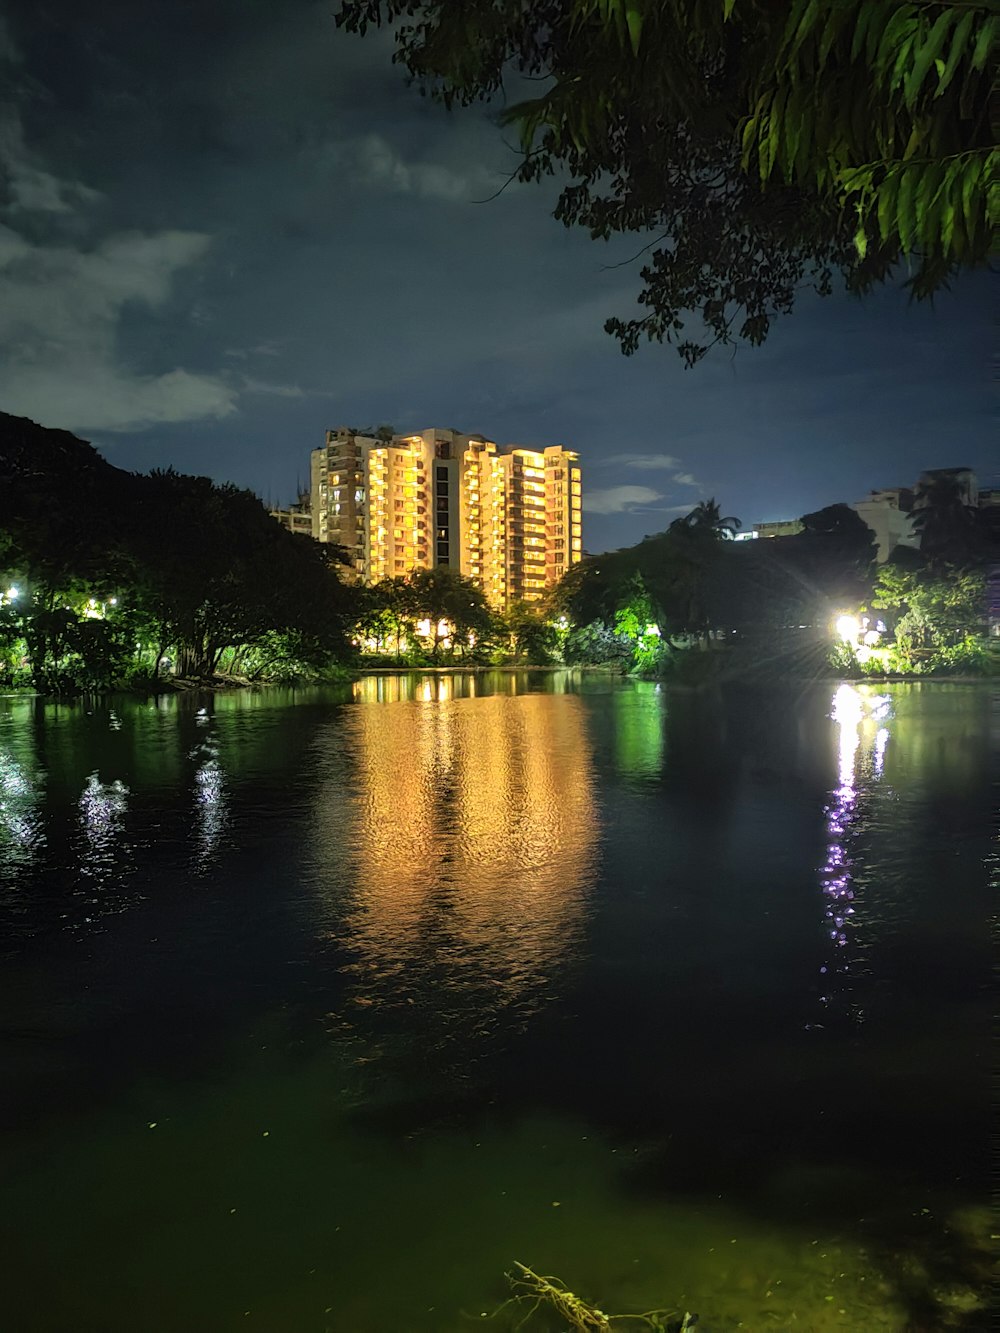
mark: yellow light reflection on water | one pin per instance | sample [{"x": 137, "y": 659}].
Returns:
[{"x": 471, "y": 836}]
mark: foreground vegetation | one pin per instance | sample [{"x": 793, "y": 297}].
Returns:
[{"x": 111, "y": 579}]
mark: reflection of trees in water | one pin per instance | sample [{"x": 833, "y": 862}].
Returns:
[{"x": 465, "y": 844}]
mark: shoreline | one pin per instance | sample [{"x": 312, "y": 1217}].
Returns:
[{"x": 223, "y": 685}]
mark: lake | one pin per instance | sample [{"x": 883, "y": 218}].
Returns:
[{"x": 322, "y": 1007}]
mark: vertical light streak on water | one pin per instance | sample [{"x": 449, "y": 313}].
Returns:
[
  {"x": 861, "y": 720},
  {"x": 102, "y": 808},
  {"x": 211, "y": 801}
]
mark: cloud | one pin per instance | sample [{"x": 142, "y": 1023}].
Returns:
[
  {"x": 261, "y": 349},
  {"x": 372, "y": 160},
  {"x": 619, "y": 499},
  {"x": 62, "y": 301},
  {"x": 643, "y": 462},
  {"x": 30, "y": 187},
  {"x": 686, "y": 479},
  {"x": 9, "y": 52},
  {"x": 275, "y": 390}
]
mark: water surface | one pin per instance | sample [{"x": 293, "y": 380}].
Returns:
[{"x": 319, "y": 1008}]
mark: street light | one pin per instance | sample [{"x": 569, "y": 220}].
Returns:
[{"x": 848, "y": 628}]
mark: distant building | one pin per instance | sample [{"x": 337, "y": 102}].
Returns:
[
  {"x": 297, "y": 517},
  {"x": 509, "y": 519},
  {"x": 888, "y": 512},
  {"x": 784, "y": 527}
]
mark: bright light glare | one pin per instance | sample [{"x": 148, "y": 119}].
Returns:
[
  {"x": 654, "y": 630},
  {"x": 12, "y": 592},
  {"x": 848, "y": 628}
]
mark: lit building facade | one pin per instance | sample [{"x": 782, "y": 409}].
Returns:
[{"x": 510, "y": 520}]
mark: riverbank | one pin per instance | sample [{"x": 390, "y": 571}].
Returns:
[{"x": 230, "y": 684}]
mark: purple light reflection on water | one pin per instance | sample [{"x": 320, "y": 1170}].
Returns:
[{"x": 854, "y": 713}]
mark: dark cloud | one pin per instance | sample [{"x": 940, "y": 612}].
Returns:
[{"x": 227, "y": 227}]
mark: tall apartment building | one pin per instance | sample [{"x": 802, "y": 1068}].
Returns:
[{"x": 510, "y": 520}]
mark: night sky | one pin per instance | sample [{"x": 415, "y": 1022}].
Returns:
[{"x": 226, "y": 226}]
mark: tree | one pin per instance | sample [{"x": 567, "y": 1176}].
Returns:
[
  {"x": 762, "y": 147},
  {"x": 388, "y": 612},
  {"x": 706, "y": 518},
  {"x": 115, "y": 569},
  {"x": 531, "y": 636},
  {"x": 455, "y": 607},
  {"x": 938, "y": 616},
  {"x": 947, "y": 524}
]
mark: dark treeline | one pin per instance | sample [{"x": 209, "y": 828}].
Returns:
[
  {"x": 110, "y": 578},
  {"x": 773, "y": 604}
]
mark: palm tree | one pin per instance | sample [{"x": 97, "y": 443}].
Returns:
[
  {"x": 706, "y": 518},
  {"x": 946, "y": 523}
]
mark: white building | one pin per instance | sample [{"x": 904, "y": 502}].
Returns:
[{"x": 888, "y": 513}]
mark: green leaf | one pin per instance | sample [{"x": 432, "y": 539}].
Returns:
[
  {"x": 793, "y": 129},
  {"x": 928, "y": 204},
  {"x": 970, "y": 179},
  {"x": 912, "y": 144},
  {"x": 800, "y": 22},
  {"x": 903, "y": 57},
  {"x": 727, "y": 9},
  {"x": 865, "y": 21},
  {"x": 959, "y": 40},
  {"x": 861, "y": 242},
  {"x": 947, "y": 225},
  {"x": 834, "y": 24},
  {"x": 765, "y": 147},
  {"x": 887, "y": 194},
  {"x": 926, "y": 55},
  {"x": 776, "y": 131},
  {"x": 985, "y": 42},
  {"x": 896, "y": 34},
  {"x": 633, "y": 18},
  {"x": 906, "y": 209}
]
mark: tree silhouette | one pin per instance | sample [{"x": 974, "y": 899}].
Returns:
[
  {"x": 706, "y": 518},
  {"x": 947, "y": 524}
]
